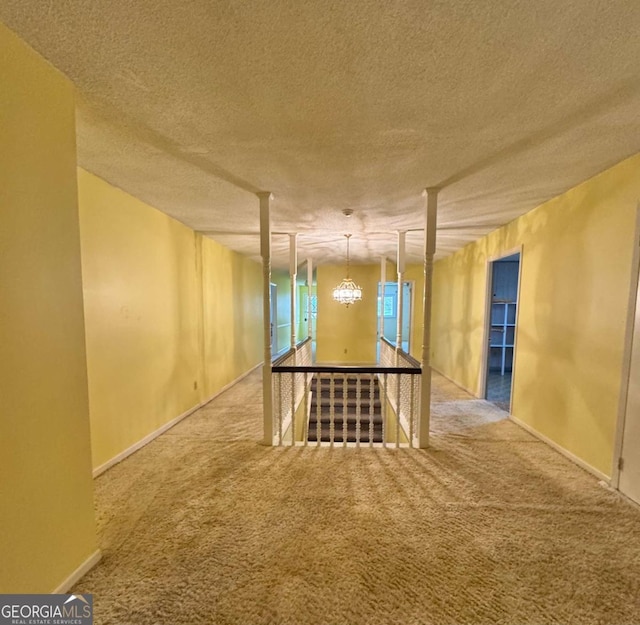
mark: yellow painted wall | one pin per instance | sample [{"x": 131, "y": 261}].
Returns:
[
  {"x": 576, "y": 268},
  {"x": 171, "y": 317},
  {"x": 347, "y": 335},
  {"x": 47, "y": 528},
  {"x": 233, "y": 331},
  {"x": 140, "y": 284},
  {"x": 458, "y": 317}
]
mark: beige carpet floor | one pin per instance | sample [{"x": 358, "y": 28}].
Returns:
[{"x": 490, "y": 525}]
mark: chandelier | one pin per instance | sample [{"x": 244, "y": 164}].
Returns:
[{"x": 347, "y": 292}]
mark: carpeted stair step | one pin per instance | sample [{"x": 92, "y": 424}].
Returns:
[
  {"x": 352, "y": 391},
  {"x": 338, "y": 437},
  {"x": 351, "y": 410},
  {"x": 325, "y": 432},
  {"x": 345, "y": 396},
  {"x": 351, "y": 430},
  {"x": 339, "y": 383},
  {"x": 351, "y": 422},
  {"x": 350, "y": 402}
]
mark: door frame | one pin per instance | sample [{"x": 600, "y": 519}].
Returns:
[
  {"x": 626, "y": 358},
  {"x": 486, "y": 334},
  {"x": 412, "y": 288},
  {"x": 273, "y": 289}
]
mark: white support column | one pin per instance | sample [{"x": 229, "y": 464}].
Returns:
[
  {"x": 401, "y": 269},
  {"x": 265, "y": 252},
  {"x": 431, "y": 216},
  {"x": 310, "y": 293},
  {"x": 293, "y": 275},
  {"x": 383, "y": 279}
]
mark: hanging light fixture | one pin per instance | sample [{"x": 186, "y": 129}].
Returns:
[{"x": 347, "y": 292}]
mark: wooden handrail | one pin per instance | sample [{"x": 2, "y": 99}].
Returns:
[{"x": 345, "y": 369}]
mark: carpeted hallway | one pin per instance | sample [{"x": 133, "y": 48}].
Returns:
[{"x": 204, "y": 525}]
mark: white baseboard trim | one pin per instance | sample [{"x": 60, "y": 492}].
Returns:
[
  {"x": 228, "y": 386},
  {"x": 626, "y": 498},
  {"x": 145, "y": 441},
  {"x": 575, "y": 459},
  {"x": 167, "y": 426},
  {"x": 464, "y": 388},
  {"x": 82, "y": 570}
]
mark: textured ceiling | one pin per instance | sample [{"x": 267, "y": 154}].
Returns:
[{"x": 193, "y": 106}]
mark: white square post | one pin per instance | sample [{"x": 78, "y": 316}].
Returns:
[
  {"x": 265, "y": 251},
  {"x": 431, "y": 216}
]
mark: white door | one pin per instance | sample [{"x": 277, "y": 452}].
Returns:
[{"x": 629, "y": 482}]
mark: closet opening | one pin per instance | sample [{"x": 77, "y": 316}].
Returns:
[{"x": 504, "y": 277}]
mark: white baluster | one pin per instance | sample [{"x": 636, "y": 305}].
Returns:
[
  {"x": 279, "y": 408},
  {"x": 398, "y": 409},
  {"x": 358, "y": 409},
  {"x": 345, "y": 392},
  {"x": 318, "y": 408},
  {"x": 332, "y": 408},
  {"x": 412, "y": 414},
  {"x": 293, "y": 409},
  {"x": 371, "y": 406},
  {"x": 384, "y": 409},
  {"x": 305, "y": 433}
]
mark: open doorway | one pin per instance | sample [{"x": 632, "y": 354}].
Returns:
[
  {"x": 629, "y": 460},
  {"x": 504, "y": 278},
  {"x": 307, "y": 329},
  {"x": 389, "y": 311},
  {"x": 626, "y": 468},
  {"x": 274, "y": 318}
]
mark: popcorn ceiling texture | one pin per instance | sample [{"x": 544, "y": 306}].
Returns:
[
  {"x": 206, "y": 526},
  {"x": 193, "y": 106}
]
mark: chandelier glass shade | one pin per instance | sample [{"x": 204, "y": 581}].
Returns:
[{"x": 347, "y": 292}]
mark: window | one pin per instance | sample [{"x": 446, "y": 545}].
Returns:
[{"x": 389, "y": 306}]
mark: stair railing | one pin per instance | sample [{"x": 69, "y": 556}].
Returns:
[
  {"x": 347, "y": 405},
  {"x": 289, "y": 391},
  {"x": 403, "y": 394}
]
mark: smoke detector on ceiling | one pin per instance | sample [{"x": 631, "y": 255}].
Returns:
[{"x": 347, "y": 212}]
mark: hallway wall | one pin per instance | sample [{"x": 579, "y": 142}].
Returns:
[
  {"x": 171, "y": 317},
  {"x": 47, "y": 528},
  {"x": 231, "y": 314},
  {"x": 347, "y": 335},
  {"x": 356, "y": 328},
  {"x": 576, "y": 269}
]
